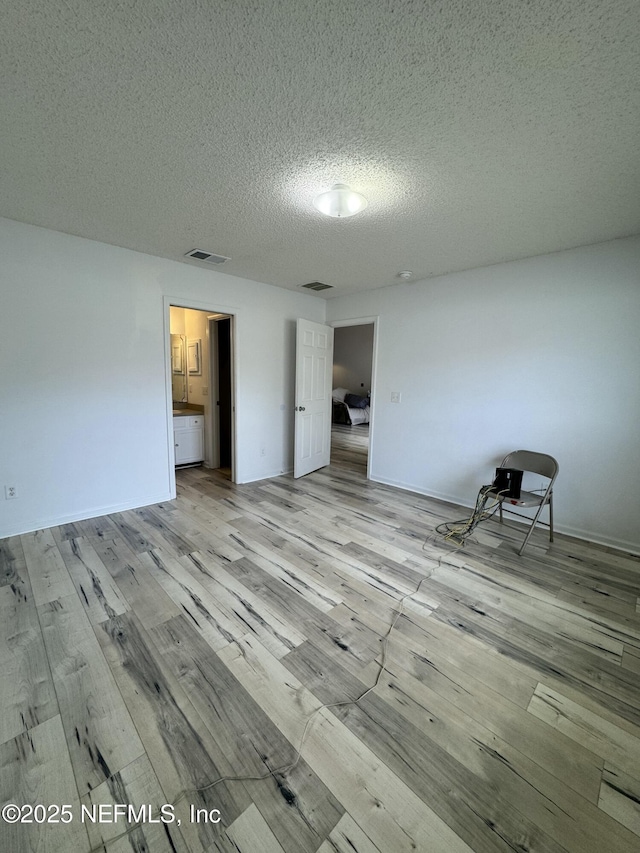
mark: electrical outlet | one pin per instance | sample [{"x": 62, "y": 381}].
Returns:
[
  {"x": 396, "y": 396},
  {"x": 10, "y": 492},
  {"x": 263, "y": 451}
]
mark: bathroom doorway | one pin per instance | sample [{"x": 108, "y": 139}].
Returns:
[{"x": 205, "y": 370}]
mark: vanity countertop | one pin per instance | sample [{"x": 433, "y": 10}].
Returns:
[{"x": 179, "y": 413}]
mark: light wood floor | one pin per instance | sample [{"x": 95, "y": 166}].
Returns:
[{"x": 151, "y": 652}]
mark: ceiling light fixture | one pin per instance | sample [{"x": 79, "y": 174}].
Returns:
[{"x": 340, "y": 202}]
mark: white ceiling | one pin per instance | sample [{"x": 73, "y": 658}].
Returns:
[{"x": 479, "y": 130}]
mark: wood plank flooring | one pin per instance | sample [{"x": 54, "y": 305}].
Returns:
[{"x": 201, "y": 654}]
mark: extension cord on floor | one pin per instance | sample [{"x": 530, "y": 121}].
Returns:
[{"x": 292, "y": 765}]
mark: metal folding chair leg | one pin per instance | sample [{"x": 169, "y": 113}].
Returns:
[{"x": 533, "y": 524}]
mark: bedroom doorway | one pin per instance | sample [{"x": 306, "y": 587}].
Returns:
[{"x": 353, "y": 383}]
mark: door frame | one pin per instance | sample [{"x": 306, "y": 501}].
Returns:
[
  {"x": 209, "y": 308},
  {"x": 367, "y": 321}
]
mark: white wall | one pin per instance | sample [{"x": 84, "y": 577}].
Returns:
[
  {"x": 352, "y": 358},
  {"x": 540, "y": 354},
  {"x": 83, "y": 404},
  {"x": 83, "y": 408}
]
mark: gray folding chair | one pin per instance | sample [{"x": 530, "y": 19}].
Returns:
[{"x": 537, "y": 463}]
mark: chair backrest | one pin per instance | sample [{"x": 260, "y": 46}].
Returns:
[{"x": 528, "y": 460}]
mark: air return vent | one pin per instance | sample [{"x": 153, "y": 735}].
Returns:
[
  {"x": 207, "y": 257},
  {"x": 317, "y": 285}
]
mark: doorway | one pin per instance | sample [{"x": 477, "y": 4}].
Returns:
[
  {"x": 354, "y": 373},
  {"x": 208, "y": 386}
]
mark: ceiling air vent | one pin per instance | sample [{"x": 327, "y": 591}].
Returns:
[
  {"x": 207, "y": 257},
  {"x": 317, "y": 285}
]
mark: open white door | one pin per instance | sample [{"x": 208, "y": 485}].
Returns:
[{"x": 314, "y": 368}]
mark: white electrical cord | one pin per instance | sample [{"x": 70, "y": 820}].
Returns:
[{"x": 458, "y": 531}]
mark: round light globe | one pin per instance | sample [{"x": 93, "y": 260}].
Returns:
[{"x": 340, "y": 202}]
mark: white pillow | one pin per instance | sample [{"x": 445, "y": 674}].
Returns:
[{"x": 339, "y": 394}]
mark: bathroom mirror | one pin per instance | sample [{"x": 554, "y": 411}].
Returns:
[{"x": 179, "y": 368}]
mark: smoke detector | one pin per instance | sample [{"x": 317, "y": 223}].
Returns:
[
  {"x": 207, "y": 257},
  {"x": 405, "y": 275}
]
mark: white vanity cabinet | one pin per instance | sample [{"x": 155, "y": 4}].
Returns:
[{"x": 188, "y": 439}]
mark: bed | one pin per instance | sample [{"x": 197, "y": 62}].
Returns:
[{"x": 348, "y": 408}]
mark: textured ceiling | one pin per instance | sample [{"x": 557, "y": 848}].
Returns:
[{"x": 479, "y": 130}]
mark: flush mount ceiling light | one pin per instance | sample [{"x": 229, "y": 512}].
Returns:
[{"x": 340, "y": 202}]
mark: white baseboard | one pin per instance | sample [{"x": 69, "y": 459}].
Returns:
[
  {"x": 626, "y": 546},
  {"x": 83, "y": 515},
  {"x": 266, "y": 477}
]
